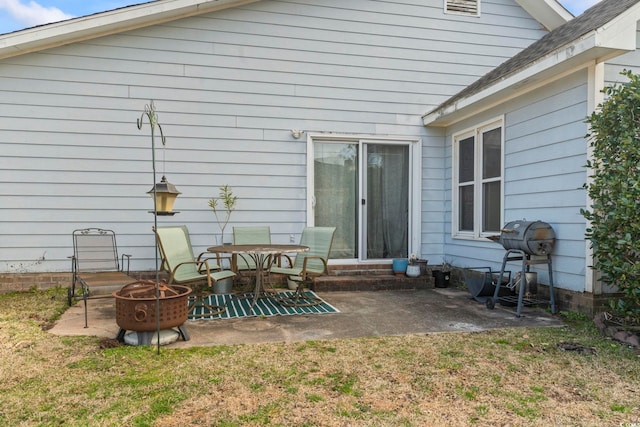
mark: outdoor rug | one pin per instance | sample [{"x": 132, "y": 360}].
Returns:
[{"x": 241, "y": 307}]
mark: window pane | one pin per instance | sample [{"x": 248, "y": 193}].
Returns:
[
  {"x": 336, "y": 190},
  {"x": 465, "y": 206},
  {"x": 491, "y": 206},
  {"x": 491, "y": 153},
  {"x": 466, "y": 160}
]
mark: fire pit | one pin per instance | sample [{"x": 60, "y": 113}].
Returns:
[{"x": 136, "y": 307}]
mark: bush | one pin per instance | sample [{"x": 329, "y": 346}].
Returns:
[{"x": 614, "y": 189}]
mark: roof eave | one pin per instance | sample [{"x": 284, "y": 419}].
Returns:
[
  {"x": 110, "y": 22},
  {"x": 597, "y": 46}
]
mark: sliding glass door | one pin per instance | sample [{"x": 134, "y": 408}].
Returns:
[{"x": 363, "y": 189}]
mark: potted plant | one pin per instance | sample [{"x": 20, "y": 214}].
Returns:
[
  {"x": 442, "y": 276},
  {"x": 222, "y": 208},
  {"x": 399, "y": 266},
  {"x": 413, "y": 269},
  {"x": 228, "y": 201}
]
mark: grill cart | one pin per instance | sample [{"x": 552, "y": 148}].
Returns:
[{"x": 530, "y": 243}]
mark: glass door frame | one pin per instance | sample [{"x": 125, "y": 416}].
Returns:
[{"x": 415, "y": 187}]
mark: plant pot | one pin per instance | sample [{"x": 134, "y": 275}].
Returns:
[
  {"x": 413, "y": 270},
  {"x": 442, "y": 278},
  {"x": 400, "y": 265},
  {"x": 223, "y": 286}
]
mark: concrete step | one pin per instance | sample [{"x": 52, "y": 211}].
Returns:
[
  {"x": 360, "y": 270},
  {"x": 372, "y": 282},
  {"x": 368, "y": 277},
  {"x": 357, "y": 272}
]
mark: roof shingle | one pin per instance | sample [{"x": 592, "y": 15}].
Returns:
[{"x": 592, "y": 19}]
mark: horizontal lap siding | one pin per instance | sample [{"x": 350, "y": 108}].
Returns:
[
  {"x": 545, "y": 154},
  {"x": 628, "y": 61},
  {"x": 229, "y": 86}
]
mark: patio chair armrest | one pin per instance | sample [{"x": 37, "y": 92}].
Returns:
[
  {"x": 122, "y": 258},
  {"x": 279, "y": 257},
  {"x": 204, "y": 266},
  {"x": 306, "y": 272},
  {"x": 199, "y": 265},
  {"x": 206, "y": 256}
]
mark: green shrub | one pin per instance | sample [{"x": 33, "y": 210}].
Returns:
[{"x": 614, "y": 189}]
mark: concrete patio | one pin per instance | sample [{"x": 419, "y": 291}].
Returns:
[{"x": 362, "y": 314}]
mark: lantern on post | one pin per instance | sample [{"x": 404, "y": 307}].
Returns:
[{"x": 165, "y": 194}]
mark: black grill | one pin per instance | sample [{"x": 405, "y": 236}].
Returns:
[
  {"x": 532, "y": 237},
  {"x": 527, "y": 242}
]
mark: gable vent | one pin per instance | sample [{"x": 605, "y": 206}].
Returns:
[{"x": 467, "y": 7}]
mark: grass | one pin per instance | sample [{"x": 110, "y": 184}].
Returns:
[{"x": 502, "y": 377}]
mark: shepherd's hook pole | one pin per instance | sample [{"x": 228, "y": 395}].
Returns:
[{"x": 150, "y": 112}]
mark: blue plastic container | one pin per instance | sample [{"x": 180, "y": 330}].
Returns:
[{"x": 400, "y": 265}]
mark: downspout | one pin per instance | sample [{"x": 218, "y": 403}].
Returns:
[{"x": 594, "y": 98}]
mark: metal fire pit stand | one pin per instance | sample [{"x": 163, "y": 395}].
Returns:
[{"x": 527, "y": 262}]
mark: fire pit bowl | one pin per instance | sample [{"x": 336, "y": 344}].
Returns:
[{"x": 136, "y": 306}]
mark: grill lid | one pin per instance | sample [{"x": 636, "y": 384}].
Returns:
[{"x": 532, "y": 237}]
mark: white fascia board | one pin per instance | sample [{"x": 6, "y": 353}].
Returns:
[
  {"x": 549, "y": 13},
  {"x": 110, "y": 22},
  {"x": 568, "y": 59},
  {"x": 620, "y": 33}
]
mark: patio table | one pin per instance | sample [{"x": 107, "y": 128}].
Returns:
[{"x": 261, "y": 254}]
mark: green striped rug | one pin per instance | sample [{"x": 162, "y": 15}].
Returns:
[{"x": 241, "y": 307}]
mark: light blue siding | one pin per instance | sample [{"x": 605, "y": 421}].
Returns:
[
  {"x": 628, "y": 61},
  {"x": 229, "y": 86},
  {"x": 544, "y": 159}
]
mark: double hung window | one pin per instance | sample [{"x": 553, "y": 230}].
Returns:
[{"x": 478, "y": 181}]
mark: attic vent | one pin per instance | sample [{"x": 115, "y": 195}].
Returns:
[{"x": 467, "y": 7}]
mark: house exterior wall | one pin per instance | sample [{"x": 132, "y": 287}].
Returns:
[
  {"x": 228, "y": 86},
  {"x": 628, "y": 61},
  {"x": 544, "y": 158}
]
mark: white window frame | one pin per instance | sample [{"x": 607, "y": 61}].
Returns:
[
  {"x": 453, "y": 12},
  {"x": 476, "y": 132}
]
